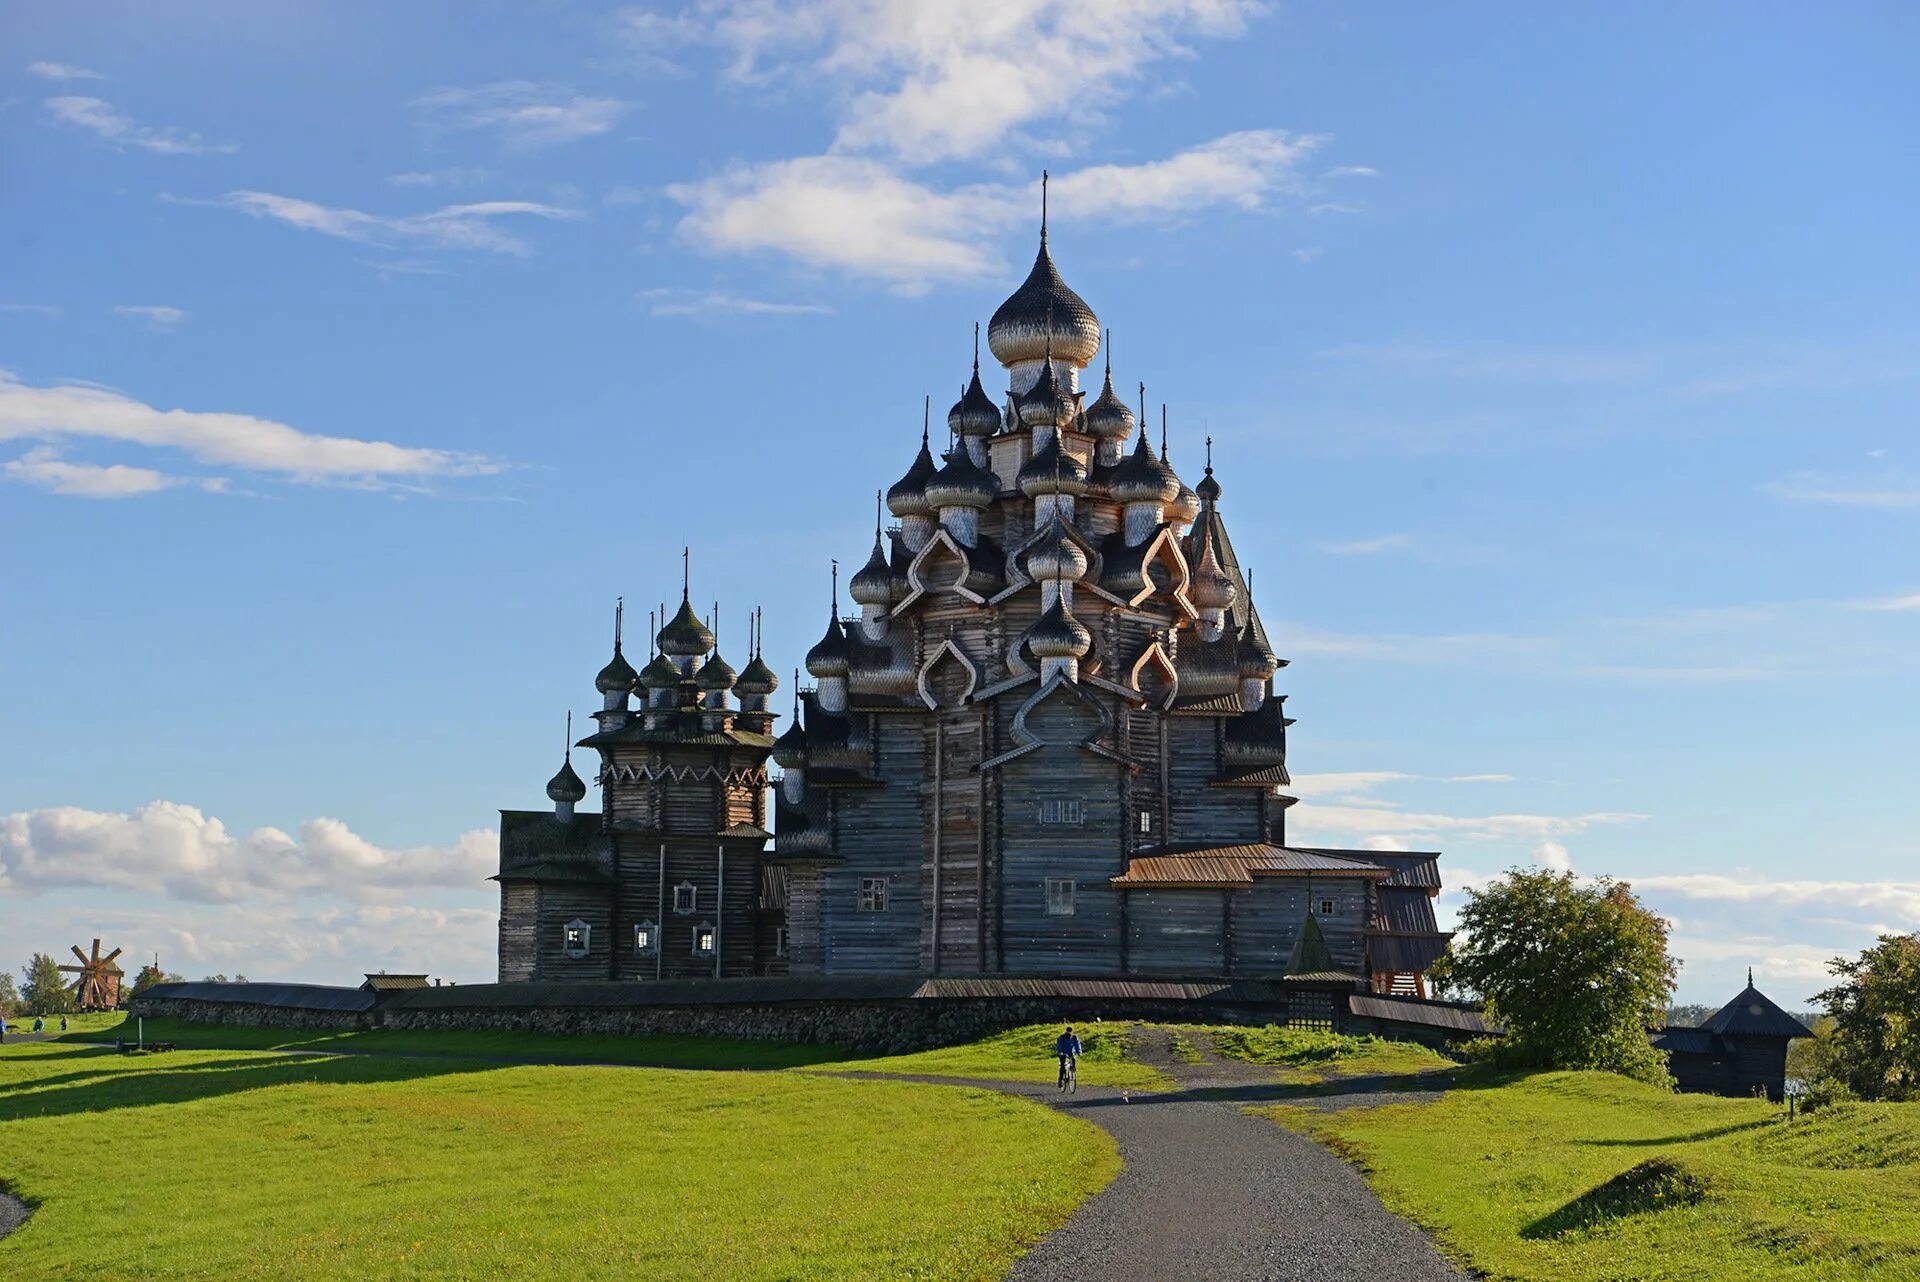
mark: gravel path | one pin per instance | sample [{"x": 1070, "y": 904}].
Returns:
[
  {"x": 13, "y": 1213},
  {"x": 1209, "y": 1191}
]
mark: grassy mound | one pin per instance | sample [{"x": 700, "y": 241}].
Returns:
[
  {"x": 225, "y": 1164},
  {"x": 1026, "y": 1055},
  {"x": 1657, "y": 1184},
  {"x": 1847, "y": 1137},
  {"x": 1304, "y": 1048}
]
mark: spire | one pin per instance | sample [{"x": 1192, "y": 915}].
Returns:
[
  {"x": 566, "y": 755},
  {"x": 1108, "y": 348},
  {"x": 1044, "y": 178},
  {"x": 1208, "y": 489},
  {"x": 619, "y": 608},
  {"x": 1749, "y": 977},
  {"x": 976, "y": 349},
  {"x": 877, "y": 496},
  {"x": 1163, "y": 431},
  {"x": 686, "y": 570}
]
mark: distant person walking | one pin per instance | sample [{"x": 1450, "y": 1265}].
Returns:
[
  {"x": 39, "y": 1025},
  {"x": 63, "y": 1023},
  {"x": 3, "y": 1027},
  {"x": 1067, "y": 1048}
]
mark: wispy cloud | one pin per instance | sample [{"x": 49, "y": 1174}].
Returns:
[
  {"x": 694, "y": 302},
  {"x": 44, "y": 469},
  {"x": 1368, "y": 547},
  {"x": 99, "y": 118},
  {"x": 459, "y": 227},
  {"x": 1885, "y": 490},
  {"x": 1911, "y": 601},
  {"x": 160, "y": 317},
  {"x": 30, "y": 309},
  {"x": 521, "y": 112},
  {"x": 61, "y": 71},
  {"x": 50, "y": 415},
  {"x": 456, "y": 176}
]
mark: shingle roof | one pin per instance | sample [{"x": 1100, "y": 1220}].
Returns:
[
  {"x": 1687, "y": 1041},
  {"x": 1238, "y": 866},
  {"x": 1753, "y": 1014},
  {"x": 384, "y": 983}
]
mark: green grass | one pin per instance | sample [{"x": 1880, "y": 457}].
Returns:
[
  {"x": 1317, "y": 1055},
  {"x": 1026, "y": 1055},
  {"x": 1588, "y": 1177},
  {"x": 652, "y": 1051},
  {"x": 91, "y": 1022},
  {"x": 242, "y": 1164}
]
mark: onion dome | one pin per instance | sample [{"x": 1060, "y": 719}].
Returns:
[
  {"x": 1052, "y": 470},
  {"x": 756, "y": 678},
  {"x": 908, "y": 497},
  {"x": 1257, "y": 663},
  {"x": 685, "y": 636},
  {"x": 660, "y": 674},
  {"x": 618, "y": 677},
  {"x": 828, "y": 658},
  {"x": 974, "y": 414},
  {"x": 790, "y": 749},
  {"x": 1042, "y": 311},
  {"x": 1210, "y": 588},
  {"x": 566, "y": 786},
  {"x": 1108, "y": 418},
  {"x": 715, "y": 674},
  {"x": 1046, "y": 403},
  {"x": 1142, "y": 478},
  {"x": 1059, "y": 635},
  {"x": 1057, "y": 557},
  {"x": 962, "y": 483},
  {"x": 1185, "y": 508},
  {"x": 873, "y": 584},
  {"x": 1208, "y": 491}
]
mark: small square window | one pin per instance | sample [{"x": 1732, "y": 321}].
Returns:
[
  {"x": 704, "y": 939},
  {"x": 1063, "y": 811},
  {"x": 1059, "y": 896},
  {"x": 873, "y": 894},
  {"x": 646, "y": 937},
  {"x": 575, "y": 937},
  {"x": 780, "y": 941},
  {"x": 1326, "y": 907},
  {"x": 683, "y": 897}
]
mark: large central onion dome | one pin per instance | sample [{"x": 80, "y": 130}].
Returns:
[
  {"x": 685, "y": 636},
  {"x": 1058, "y": 635},
  {"x": 1043, "y": 307}
]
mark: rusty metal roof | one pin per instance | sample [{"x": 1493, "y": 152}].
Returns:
[
  {"x": 1424, "y": 1011},
  {"x": 1231, "y": 866},
  {"x": 1410, "y": 867}
]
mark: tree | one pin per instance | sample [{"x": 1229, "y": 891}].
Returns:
[
  {"x": 9, "y": 995},
  {"x": 1874, "y": 1047},
  {"x": 150, "y": 975},
  {"x": 46, "y": 991},
  {"x": 1576, "y": 973}
]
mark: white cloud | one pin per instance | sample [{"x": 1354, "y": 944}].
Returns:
[
  {"x": 521, "y": 112},
  {"x": 1890, "y": 492},
  {"x": 30, "y": 309},
  {"x": 99, "y": 117},
  {"x": 468, "y": 227},
  {"x": 1309, "y": 253},
  {"x": 694, "y": 302},
  {"x": 68, "y": 411},
  {"x": 1353, "y": 171},
  {"x": 176, "y": 850},
  {"x": 1553, "y": 855},
  {"x": 1368, "y": 547},
  {"x": 1879, "y": 899},
  {"x": 44, "y": 469},
  {"x": 856, "y": 214},
  {"x": 458, "y": 176},
  {"x": 1911, "y": 601},
  {"x": 61, "y": 71},
  {"x": 160, "y": 317}
]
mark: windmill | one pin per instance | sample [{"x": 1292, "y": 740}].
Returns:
[{"x": 98, "y": 987}]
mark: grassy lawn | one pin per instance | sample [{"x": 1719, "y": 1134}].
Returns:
[
  {"x": 657, "y": 1052},
  {"x": 232, "y": 1164},
  {"x": 1026, "y": 1055},
  {"x": 1315, "y": 1056},
  {"x": 1587, "y": 1177}
]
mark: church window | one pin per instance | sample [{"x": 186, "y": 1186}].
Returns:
[
  {"x": 1063, "y": 811},
  {"x": 705, "y": 938},
  {"x": 1326, "y": 907},
  {"x": 1060, "y": 896},
  {"x": 683, "y": 897},
  {"x": 646, "y": 937},
  {"x": 1146, "y": 821},
  {"x": 574, "y": 938},
  {"x": 873, "y": 894}
]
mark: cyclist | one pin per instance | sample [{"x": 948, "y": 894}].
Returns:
[{"x": 1067, "y": 1048}]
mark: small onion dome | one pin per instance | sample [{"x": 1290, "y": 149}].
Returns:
[
  {"x": 873, "y": 585},
  {"x": 1142, "y": 478},
  {"x": 660, "y": 674},
  {"x": 566, "y": 785},
  {"x": 1053, "y": 470},
  {"x": 790, "y": 749},
  {"x": 1046, "y": 403},
  {"x": 1210, "y": 589},
  {"x": 1059, "y": 635},
  {"x": 974, "y": 414},
  {"x": 1256, "y": 662},
  {"x": 756, "y": 678},
  {"x": 618, "y": 677},
  {"x": 684, "y": 635},
  {"x": 908, "y": 497},
  {"x": 1019, "y": 329},
  {"x": 1186, "y": 506},
  {"x": 962, "y": 483},
  {"x": 715, "y": 674},
  {"x": 1208, "y": 491},
  {"x": 1108, "y": 418},
  {"x": 1057, "y": 557},
  {"x": 828, "y": 658}
]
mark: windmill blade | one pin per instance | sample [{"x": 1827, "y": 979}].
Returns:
[
  {"x": 96, "y": 948},
  {"x": 77, "y": 953},
  {"x": 74, "y": 970},
  {"x": 110, "y": 956}
]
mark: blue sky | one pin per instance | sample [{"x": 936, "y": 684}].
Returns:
[{"x": 1561, "y": 367}]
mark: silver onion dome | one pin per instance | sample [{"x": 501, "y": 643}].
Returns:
[
  {"x": 1052, "y": 470},
  {"x": 1043, "y": 309},
  {"x": 1257, "y": 663},
  {"x": 1108, "y": 418},
  {"x": 974, "y": 414},
  {"x": 1142, "y": 478},
  {"x": 962, "y": 483},
  {"x": 1210, "y": 588},
  {"x": 684, "y": 635},
  {"x": 756, "y": 678},
  {"x": 1057, "y": 558},
  {"x": 908, "y": 497},
  {"x": 1046, "y": 403},
  {"x": 566, "y": 786},
  {"x": 618, "y": 677},
  {"x": 873, "y": 585},
  {"x": 790, "y": 749},
  {"x": 1058, "y": 635},
  {"x": 660, "y": 674},
  {"x": 1185, "y": 508},
  {"x": 715, "y": 674},
  {"x": 829, "y": 656}
]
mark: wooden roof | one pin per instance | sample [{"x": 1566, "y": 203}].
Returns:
[
  {"x": 1233, "y": 866},
  {"x": 1753, "y": 1014},
  {"x": 1420, "y": 1010},
  {"x": 385, "y": 983}
]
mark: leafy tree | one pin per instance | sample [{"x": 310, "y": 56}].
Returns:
[
  {"x": 46, "y": 991},
  {"x": 9, "y": 995},
  {"x": 151, "y": 974},
  {"x": 1575, "y": 972},
  {"x": 1874, "y": 1047}
]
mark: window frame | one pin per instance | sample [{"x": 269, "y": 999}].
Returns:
[
  {"x": 652, "y": 945},
  {"x": 1059, "y": 891},
  {"x": 873, "y": 894},
  {"x": 779, "y": 941},
  {"x": 693, "y": 899},
  {"x": 585, "y": 930},
  {"x": 712, "y": 933},
  {"x": 1328, "y": 908},
  {"x": 1062, "y": 812},
  {"x": 1146, "y": 823}
]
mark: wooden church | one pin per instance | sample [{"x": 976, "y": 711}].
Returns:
[{"x": 1047, "y": 744}]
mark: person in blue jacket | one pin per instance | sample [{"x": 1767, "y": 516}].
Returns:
[{"x": 1067, "y": 1047}]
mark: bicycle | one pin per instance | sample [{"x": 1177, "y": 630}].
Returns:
[{"x": 1070, "y": 1074}]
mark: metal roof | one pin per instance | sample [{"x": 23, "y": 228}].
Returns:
[
  {"x": 1230, "y": 866},
  {"x": 1404, "y": 910},
  {"x": 1405, "y": 953},
  {"x": 292, "y": 996},
  {"x": 384, "y": 983},
  {"x": 1687, "y": 1041},
  {"x": 1410, "y": 867},
  {"x": 1753, "y": 1014},
  {"x": 1420, "y": 1010}
]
